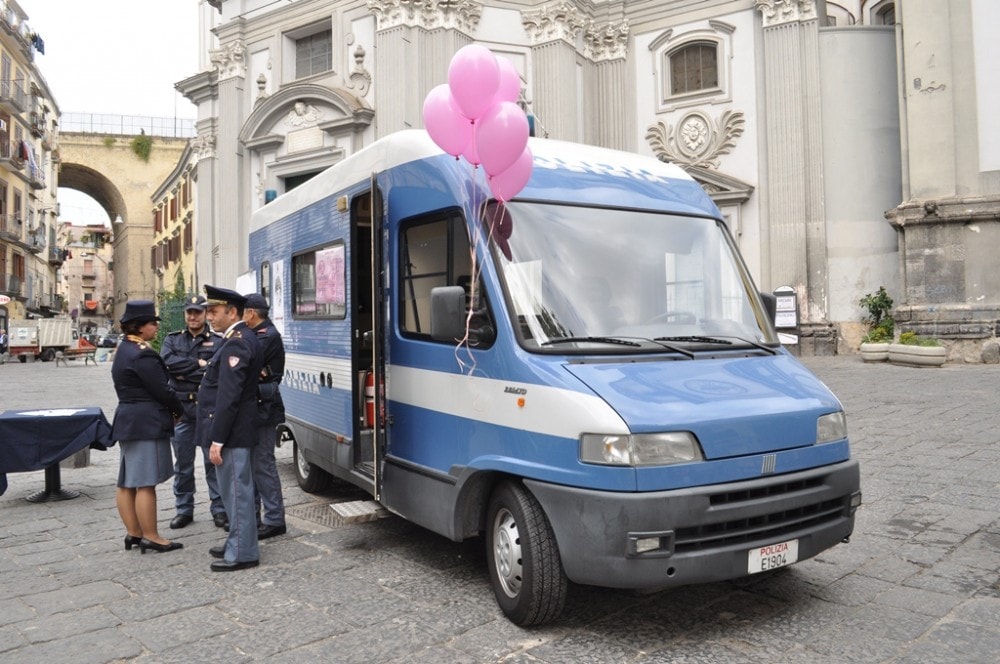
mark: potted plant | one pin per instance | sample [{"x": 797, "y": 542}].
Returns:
[
  {"x": 916, "y": 351},
  {"x": 881, "y": 327}
]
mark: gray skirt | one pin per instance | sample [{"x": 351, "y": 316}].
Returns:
[{"x": 144, "y": 463}]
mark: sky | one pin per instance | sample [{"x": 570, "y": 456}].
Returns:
[{"x": 120, "y": 57}]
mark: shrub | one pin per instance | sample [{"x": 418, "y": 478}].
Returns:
[
  {"x": 142, "y": 145},
  {"x": 913, "y": 339},
  {"x": 881, "y": 327}
]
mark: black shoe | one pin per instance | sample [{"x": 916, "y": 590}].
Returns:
[
  {"x": 223, "y": 566},
  {"x": 218, "y": 551},
  {"x": 264, "y": 531},
  {"x": 180, "y": 521},
  {"x": 130, "y": 541},
  {"x": 159, "y": 548},
  {"x": 220, "y": 520}
]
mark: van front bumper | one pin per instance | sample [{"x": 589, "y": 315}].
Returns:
[{"x": 671, "y": 538}]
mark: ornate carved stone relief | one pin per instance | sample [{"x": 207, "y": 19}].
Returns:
[
  {"x": 696, "y": 140},
  {"x": 203, "y": 146},
  {"x": 560, "y": 21},
  {"x": 303, "y": 115},
  {"x": 461, "y": 14},
  {"x": 777, "y": 12},
  {"x": 230, "y": 60},
  {"x": 360, "y": 78},
  {"x": 608, "y": 43}
]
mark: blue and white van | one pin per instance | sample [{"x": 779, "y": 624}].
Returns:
[{"x": 585, "y": 375}]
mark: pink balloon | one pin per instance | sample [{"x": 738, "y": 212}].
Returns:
[
  {"x": 471, "y": 152},
  {"x": 474, "y": 76},
  {"x": 447, "y": 127},
  {"x": 508, "y": 184},
  {"x": 501, "y": 136},
  {"x": 510, "y": 81}
]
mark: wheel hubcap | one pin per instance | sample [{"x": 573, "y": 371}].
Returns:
[
  {"x": 300, "y": 460},
  {"x": 507, "y": 552}
]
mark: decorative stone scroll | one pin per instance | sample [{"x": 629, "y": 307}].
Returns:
[
  {"x": 230, "y": 60},
  {"x": 360, "y": 78},
  {"x": 428, "y": 14},
  {"x": 560, "y": 21},
  {"x": 779, "y": 12},
  {"x": 696, "y": 140},
  {"x": 608, "y": 43},
  {"x": 203, "y": 146}
]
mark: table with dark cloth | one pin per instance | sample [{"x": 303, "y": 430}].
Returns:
[{"x": 41, "y": 438}]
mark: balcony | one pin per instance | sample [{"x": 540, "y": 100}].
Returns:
[
  {"x": 34, "y": 243},
  {"x": 11, "y": 228},
  {"x": 12, "y": 285},
  {"x": 37, "y": 124},
  {"x": 56, "y": 256},
  {"x": 12, "y": 154},
  {"x": 12, "y": 97}
]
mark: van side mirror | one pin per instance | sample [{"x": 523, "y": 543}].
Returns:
[
  {"x": 447, "y": 313},
  {"x": 770, "y": 305}
]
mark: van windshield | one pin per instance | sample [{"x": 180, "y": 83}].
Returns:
[{"x": 592, "y": 280}]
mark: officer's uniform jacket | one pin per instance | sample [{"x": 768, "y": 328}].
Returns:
[
  {"x": 270, "y": 407},
  {"x": 227, "y": 397},
  {"x": 181, "y": 351},
  {"x": 147, "y": 404}
]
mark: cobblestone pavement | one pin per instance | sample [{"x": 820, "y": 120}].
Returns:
[{"x": 917, "y": 583}]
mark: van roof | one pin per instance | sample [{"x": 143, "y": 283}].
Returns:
[{"x": 551, "y": 157}]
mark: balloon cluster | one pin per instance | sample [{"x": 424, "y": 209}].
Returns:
[{"x": 475, "y": 115}]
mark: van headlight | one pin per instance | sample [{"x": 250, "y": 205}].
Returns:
[
  {"x": 831, "y": 427},
  {"x": 645, "y": 449}
]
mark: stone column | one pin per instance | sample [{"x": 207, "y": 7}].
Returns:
[
  {"x": 795, "y": 223},
  {"x": 231, "y": 225},
  {"x": 610, "y": 92},
  {"x": 557, "y": 99},
  {"x": 413, "y": 47}
]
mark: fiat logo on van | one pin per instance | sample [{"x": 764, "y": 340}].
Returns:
[{"x": 767, "y": 466}]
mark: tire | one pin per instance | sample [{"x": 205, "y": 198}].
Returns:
[
  {"x": 311, "y": 477},
  {"x": 523, "y": 558},
  {"x": 48, "y": 355}
]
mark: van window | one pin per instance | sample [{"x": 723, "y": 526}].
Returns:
[
  {"x": 434, "y": 252},
  {"x": 319, "y": 283}
]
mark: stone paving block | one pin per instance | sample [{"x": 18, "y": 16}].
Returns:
[
  {"x": 985, "y": 612},
  {"x": 287, "y": 631},
  {"x": 582, "y": 648},
  {"x": 14, "y": 610},
  {"x": 98, "y": 647},
  {"x": 437, "y": 655},
  {"x": 65, "y": 625},
  {"x": 76, "y": 597},
  {"x": 165, "y": 632},
  {"x": 967, "y": 641},
  {"x": 385, "y": 641},
  {"x": 957, "y": 580},
  {"x": 10, "y": 639}
]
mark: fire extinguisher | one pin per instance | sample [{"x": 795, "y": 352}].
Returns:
[{"x": 370, "y": 398}]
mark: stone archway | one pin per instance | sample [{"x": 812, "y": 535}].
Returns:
[{"x": 105, "y": 167}]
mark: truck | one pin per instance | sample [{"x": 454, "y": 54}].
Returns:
[
  {"x": 584, "y": 376},
  {"x": 42, "y": 338}
]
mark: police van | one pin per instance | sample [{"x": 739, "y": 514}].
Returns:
[{"x": 584, "y": 375}]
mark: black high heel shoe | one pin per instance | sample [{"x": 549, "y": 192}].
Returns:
[
  {"x": 132, "y": 540},
  {"x": 159, "y": 548}
]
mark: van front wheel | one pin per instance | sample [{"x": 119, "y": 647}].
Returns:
[
  {"x": 523, "y": 558},
  {"x": 311, "y": 477}
]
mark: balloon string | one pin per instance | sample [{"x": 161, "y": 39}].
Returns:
[{"x": 478, "y": 208}]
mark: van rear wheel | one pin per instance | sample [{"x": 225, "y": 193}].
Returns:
[
  {"x": 523, "y": 557},
  {"x": 311, "y": 477}
]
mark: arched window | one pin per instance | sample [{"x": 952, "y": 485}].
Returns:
[
  {"x": 883, "y": 13},
  {"x": 694, "y": 67}
]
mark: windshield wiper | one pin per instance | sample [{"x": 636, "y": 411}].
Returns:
[
  {"x": 598, "y": 340},
  {"x": 717, "y": 340}
]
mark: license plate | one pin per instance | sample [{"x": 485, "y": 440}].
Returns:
[{"x": 772, "y": 556}]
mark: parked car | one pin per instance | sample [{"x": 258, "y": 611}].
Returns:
[{"x": 109, "y": 341}]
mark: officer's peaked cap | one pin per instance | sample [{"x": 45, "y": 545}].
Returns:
[{"x": 215, "y": 295}]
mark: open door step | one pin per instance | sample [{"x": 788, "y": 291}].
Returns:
[{"x": 359, "y": 511}]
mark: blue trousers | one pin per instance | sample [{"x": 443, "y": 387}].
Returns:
[
  {"x": 265, "y": 478},
  {"x": 236, "y": 482},
  {"x": 184, "y": 454}
]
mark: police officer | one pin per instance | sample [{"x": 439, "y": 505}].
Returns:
[
  {"x": 186, "y": 353},
  {"x": 227, "y": 413},
  {"x": 271, "y": 413}
]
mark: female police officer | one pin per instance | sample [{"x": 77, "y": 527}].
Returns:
[{"x": 144, "y": 421}]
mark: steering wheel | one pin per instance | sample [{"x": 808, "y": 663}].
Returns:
[{"x": 685, "y": 317}]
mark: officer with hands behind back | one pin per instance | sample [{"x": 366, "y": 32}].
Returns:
[
  {"x": 270, "y": 413},
  {"x": 227, "y": 415},
  {"x": 186, "y": 353}
]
